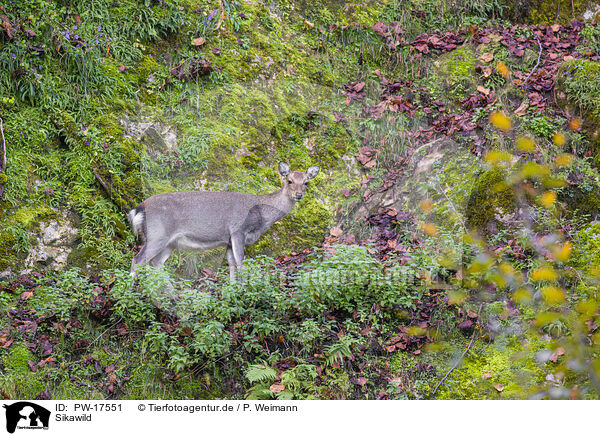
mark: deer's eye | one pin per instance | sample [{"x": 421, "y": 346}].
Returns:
[{"x": 289, "y": 182}]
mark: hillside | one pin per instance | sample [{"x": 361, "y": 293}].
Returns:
[{"x": 448, "y": 247}]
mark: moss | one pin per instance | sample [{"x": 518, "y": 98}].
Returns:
[
  {"x": 577, "y": 87},
  {"x": 17, "y": 359},
  {"x": 304, "y": 227},
  {"x": 586, "y": 249},
  {"x": 15, "y": 233},
  {"x": 455, "y": 70},
  {"x": 490, "y": 196},
  {"x": 502, "y": 370},
  {"x": 563, "y": 12}
]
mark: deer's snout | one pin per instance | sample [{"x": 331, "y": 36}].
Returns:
[{"x": 299, "y": 196}]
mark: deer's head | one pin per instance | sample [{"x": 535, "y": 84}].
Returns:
[{"x": 295, "y": 182}]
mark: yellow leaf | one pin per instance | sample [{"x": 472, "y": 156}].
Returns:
[
  {"x": 543, "y": 274},
  {"x": 503, "y": 69},
  {"x": 587, "y": 307},
  {"x": 562, "y": 252},
  {"x": 547, "y": 199},
  {"x": 564, "y": 160},
  {"x": 575, "y": 124},
  {"x": 522, "y": 296},
  {"x": 559, "y": 139},
  {"x": 426, "y": 205},
  {"x": 500, "y": 121},
  {"x": 525, "y": 144},
  {"x": 497, "y": 156},
  {"x": 429, "y": 228},
  {"x": 534, "y": 169},
  {"x": 553, "y": 295}
]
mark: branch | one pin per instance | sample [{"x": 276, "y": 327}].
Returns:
[
  {"x": 538, "y": 61},
  {"x": 3, "y": 164},
  {"x": 459, "y": 360}
]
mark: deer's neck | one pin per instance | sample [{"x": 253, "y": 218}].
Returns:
[{"x": 281, "y": 201}]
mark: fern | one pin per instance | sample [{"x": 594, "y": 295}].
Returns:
[
  {"x": 341, "y": 349},
  {"x": 260, "y": 374}
]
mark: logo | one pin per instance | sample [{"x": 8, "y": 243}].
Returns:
[{"x": 26, "y": 415}]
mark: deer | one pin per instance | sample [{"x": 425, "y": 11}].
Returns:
[{"x": 201, "y": 220}]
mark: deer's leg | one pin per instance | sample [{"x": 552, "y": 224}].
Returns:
[
  {"x": 237, "y": 248},
  {"x": 146, "y": 254},
  {"x": 231, "y": 262},
  {"x": 159, "y": 260}
]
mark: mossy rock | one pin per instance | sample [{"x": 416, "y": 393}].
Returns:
[
  {"x": 455, "y": 70},
  {"x": 583, "y": 198},
  {"x": 558, "y": 11},
  {"x": 503, "y": 370},
  {"x": 304, "y": 227},
  {"x": 586, "y": 250},
  {"x": 578, "y": 82},
  {"x": 490, "y": 196}
]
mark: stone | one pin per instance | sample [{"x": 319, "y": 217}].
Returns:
[{"x": 55, "y": 240}]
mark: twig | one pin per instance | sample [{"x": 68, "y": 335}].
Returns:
[
  {"x": 222, "y": 17},
  {"x": 538, "y": 61},
  {"x": 102, "y": 334},
  {"x": 459, "y": 360},
  {"x": 3, "y": 165}
]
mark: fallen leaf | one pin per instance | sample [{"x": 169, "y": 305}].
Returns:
[
  {"x": 276, "y": 388},
  {"x": 358, "y": 87},
  {"x": 483, "y": 90},
  {"x": 487, "y": 57},
  {"x": 198, "y": 41},
  {"x": 499, "y": 387},
  {"x": 26, "y": 295},
  {"x": 335, "y": 232},
  {"x": 486, "y": 375},
  {"x": 521, "y": 109},
  {"x": 558, "y": 352},
  {"x": 396, "y": 381},
  {"x": 361, "y": 381}
]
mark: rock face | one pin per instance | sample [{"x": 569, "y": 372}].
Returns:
[
  {"x": 55, "y": 240},
  {"x": 441, "y": 171},
  {"x": 157, "y": 136}
]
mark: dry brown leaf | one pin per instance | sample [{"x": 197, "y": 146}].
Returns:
[
  {"x": 521, "y": 109},
  {"x": 499, "y": 387},
  {"x": 198, "y": 41},
  {"x": 487, "y": 57},
  {"x": 483, "y": 90},
  {"x": 486, "y": 375},
  {"x": 276, "y": 388},
  {"x": 335, "y": 231}
]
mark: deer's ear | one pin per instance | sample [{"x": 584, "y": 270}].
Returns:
[
  {"x": 284, "y": 169},
  {"x": 312, "y": 172}
]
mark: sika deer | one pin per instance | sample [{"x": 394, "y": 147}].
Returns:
[{"x": 195, "y": 220}]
